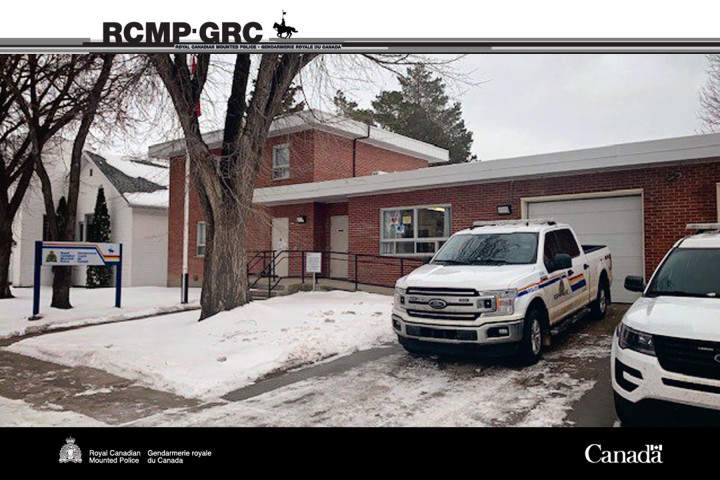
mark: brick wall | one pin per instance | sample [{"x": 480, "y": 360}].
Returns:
[
  {"x": 301, "y": 159},
  {"x": 333, "y": 158},
  {"x": 668, "y": 205},
  {"x": 314, "y": 156}
]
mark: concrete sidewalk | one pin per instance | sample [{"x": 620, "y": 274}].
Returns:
[{"x": 88, "y": 391}]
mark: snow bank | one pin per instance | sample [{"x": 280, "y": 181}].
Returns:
[
  {"x": 92, "y": 306},
  {"x": 16, "y": 413},
  {"x": 230, "y": 350}
]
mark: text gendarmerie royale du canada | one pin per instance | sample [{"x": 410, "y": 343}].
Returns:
[{"x": 153, "y": 456}]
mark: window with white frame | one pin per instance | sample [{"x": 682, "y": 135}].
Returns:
[
  {"x": 419, "y": 231},
  {"x": 201, "y": 236},
  {"x": 281, "y": 162}
]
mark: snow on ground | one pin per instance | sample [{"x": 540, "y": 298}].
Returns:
[
  {"x": 400, "y": 390},
  {"x": 16, "y": 413},
  {"x": 230, "y": 350},
  {"x": 91, "y": 306}
]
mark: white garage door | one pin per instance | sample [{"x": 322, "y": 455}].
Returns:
[{"x": 612, "y": 221}]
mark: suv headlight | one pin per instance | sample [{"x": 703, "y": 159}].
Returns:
[
  {"x": 399, "y": 297},
  {"x": 504, "y": 302},
  {"x": 635, "y": 340}
]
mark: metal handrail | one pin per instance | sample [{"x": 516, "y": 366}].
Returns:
[{"x": 358, "y": 259}]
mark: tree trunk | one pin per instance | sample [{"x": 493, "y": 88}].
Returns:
[
  {"x": 62, "y": 281},
  {"x": 5, "y": 251},
  {"x": 225, "y": 281}
]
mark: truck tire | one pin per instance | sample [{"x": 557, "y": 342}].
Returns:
[
  {"x": 531, "y": 345},
  {"x": 598, "y": 308}
]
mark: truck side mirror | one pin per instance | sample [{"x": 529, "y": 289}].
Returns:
[
  {"x": 426, "y": 260},
  {"x": 634, "y": 283},
  {"x": 562, "y": 261}
]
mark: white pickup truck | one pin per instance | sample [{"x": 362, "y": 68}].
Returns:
[
  {"x": 501, "y": 288},
  {"x": 666, "y": 350}
]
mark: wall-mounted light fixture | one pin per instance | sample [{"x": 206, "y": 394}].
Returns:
[
  {"x": 504, "y": 209},
  {"x": 674, "y": 176},
  {"x": 301, "y": 219}
]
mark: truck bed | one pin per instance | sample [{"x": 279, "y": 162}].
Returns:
[{"x": 591, "y": 248}]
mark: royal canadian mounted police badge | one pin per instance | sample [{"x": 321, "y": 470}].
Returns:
[{"x": 70, "y": 453}]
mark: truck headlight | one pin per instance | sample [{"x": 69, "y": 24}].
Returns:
[
  {"x": 635, "y": 340},
  {"x": 399, "y": 299},
  {"x": 504, "y": 302}
]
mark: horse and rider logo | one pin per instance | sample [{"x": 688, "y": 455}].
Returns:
[{"x": 283, "y": 31}]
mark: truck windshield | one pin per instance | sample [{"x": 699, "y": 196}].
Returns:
[
  {"x": 489, "y": 249},
  {"x": 688, "y": 272}
]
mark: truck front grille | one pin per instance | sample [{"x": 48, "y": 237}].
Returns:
[
  {"x": 447, "y": 334},
  {"x": 465, "y": 316},
  {"x": 697, "y": 358}
]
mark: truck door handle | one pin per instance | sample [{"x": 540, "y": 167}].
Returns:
[{"x": 586, "y": 266}]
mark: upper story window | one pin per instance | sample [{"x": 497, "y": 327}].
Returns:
[
  {"x": 281, "y": 162},
  {"x": 417, "y": 231},
  {"x": 201, "y": 239}
]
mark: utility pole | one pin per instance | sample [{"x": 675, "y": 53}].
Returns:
[{"x": 186, "y": 232}]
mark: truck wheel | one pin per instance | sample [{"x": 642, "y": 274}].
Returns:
[
  {"x": 599, "y": 307},
  {"x": 531, "y": 345}
]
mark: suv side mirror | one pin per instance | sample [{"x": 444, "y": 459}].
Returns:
[
  {"x": 634, "y": 283},
  {"x": 426, "y": 260},
  {"x": 562, "y": 261}
]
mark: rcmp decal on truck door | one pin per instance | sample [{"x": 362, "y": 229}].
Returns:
[
  {"x": 577, "y": 282},
  {"x": 537, "y": 286},
  {"x": 562, "y": 291}
]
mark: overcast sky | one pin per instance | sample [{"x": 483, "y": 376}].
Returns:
[
  {"x": 527, "y": 104},
  {"x": 544, "y": 103}
]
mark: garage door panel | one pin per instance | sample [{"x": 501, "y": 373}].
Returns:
[
  {"x": 609, "y": 204},
  {"x": 612, "y": 221}
]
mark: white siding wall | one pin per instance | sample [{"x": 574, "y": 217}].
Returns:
[
  {"x": 142, "y": 231},
  {"x": 120, "y": 217},
  {"x": 28, "y": 224},
  {"x": 150, "y": 247}
]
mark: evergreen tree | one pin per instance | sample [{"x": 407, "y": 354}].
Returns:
[
  {"x": 350, "y": 109},
  {"x": 100, "y": 275},
  {"x": 290, "y": 104},
  {"x": 420, "y": 109}
]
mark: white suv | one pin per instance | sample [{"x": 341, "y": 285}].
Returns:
[{"x": 666, "y": 350}]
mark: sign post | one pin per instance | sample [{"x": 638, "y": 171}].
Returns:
[
  {"x": 313, "y": 264},
  {"x": 66, "y": 254}
]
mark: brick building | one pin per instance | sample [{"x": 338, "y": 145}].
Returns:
[
  {"x": 303, "y": 148},
  {"x": 636, "y": 198}
]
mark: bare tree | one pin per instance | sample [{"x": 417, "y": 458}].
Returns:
[
  {"x": 16, "y": 163},
  {"x": 710, "y": 95},
  {"x": 60, "y": 91},
  {"x": 226, "y": 192}
]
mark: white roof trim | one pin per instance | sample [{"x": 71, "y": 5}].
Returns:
[
  {"x": 622, "y": 156},
  {"x": 325, "y": 122}
]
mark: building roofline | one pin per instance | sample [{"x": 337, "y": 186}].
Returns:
[
  {"x": 326, "y": 122},
  {"x": 612, "y": 157}
]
